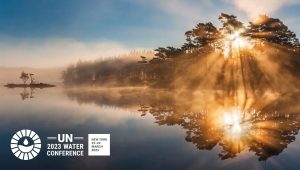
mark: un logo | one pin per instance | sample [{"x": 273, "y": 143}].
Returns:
[{"x": 25, "y": 144}]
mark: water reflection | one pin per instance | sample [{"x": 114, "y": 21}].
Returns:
[
  {"x": 27, "y": 93},
  {"x": 266, "y": 134},
  {"x": 264, "y": 126}
]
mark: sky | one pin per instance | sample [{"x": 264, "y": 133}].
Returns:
[{"x": 48, "y": 33}]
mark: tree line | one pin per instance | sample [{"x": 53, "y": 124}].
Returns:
[{"x": 169, "y": 63}]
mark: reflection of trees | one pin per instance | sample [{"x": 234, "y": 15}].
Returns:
[
  {"x": 269, "y": 134},
  {"x": 268, "y": 130},
  {"x": 25, "y": 94},
  {"x": 122, "y": 97}
]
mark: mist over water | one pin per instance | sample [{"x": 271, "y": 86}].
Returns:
[{"x": 12, "y": 74}]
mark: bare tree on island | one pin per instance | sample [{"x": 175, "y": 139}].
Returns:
[
  {"x": 33, "y": 84},
  {"x": 24, "y": 76}
]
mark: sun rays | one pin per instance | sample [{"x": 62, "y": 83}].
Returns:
[{"x": 234, "y": 43}]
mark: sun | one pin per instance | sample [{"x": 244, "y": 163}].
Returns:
[
  {"x": 234, "y": 43},
  {"x": 237, "y": 41}
]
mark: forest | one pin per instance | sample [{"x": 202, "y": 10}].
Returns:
[{"x": 261, "y": 54}]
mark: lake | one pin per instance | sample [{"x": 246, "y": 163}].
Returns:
[{"x": 156, "y": 129}]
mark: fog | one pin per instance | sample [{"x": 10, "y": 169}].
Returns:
[{"x": 49, "y": 75}]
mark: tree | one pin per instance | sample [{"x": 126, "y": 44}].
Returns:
[
  {"x": 272, "y": 30},
  {"x": 143, "y": 60},
  {"x": 24, "y": 76},
  {"x": 188, "y": 47},
  {"x": 32, "y": 79},
  {"x": 160, "y": 53},
  {"x": 167, "y": 53},
  {"x": 230, "y": 23},
  {"x": 172, "y": 52},
  {"x": 206, "y": 34},
  {"x": 202, "y": 35}
]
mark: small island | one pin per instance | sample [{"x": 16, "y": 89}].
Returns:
[{"x": 33, "y": 83}]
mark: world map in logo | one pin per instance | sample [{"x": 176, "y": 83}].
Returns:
[{"x": 25, "y": 144}]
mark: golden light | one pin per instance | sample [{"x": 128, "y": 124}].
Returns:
[
  {"x": 235, "y": 122},
  {"x": 234, "y": 43}
]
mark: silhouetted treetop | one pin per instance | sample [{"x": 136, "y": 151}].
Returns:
[
  {"x": 24, "y": 76},
  {"x": 168, "y": 52},
  {"x": 207, "y": 35},
  {"x": 143, "y": 60},
  {"x": 203, "y": 34},
  {"x": 273, "y": 30},
  {"x": 230, "y": 23}
]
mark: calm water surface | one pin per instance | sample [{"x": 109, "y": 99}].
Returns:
[{"x": 156, "y": 129}]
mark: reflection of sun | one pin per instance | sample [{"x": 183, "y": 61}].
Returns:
[
  {"x": 235, "y": 122},
  {"x": 232, "y": 120}
]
